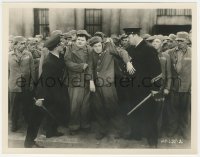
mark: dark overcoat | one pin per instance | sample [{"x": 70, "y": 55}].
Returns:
[
  {"x": 51, "y": 88},
  {"x": 148, "y": 69}
]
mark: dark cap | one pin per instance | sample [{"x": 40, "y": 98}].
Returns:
[
  {"x": 183, "y": 36},
  {"x": 100, "y": 34},
  {"x": 129, "y": 31},
  {"x": 67, "y": 35},
  {"x": 83, "y": 32},
  {"x": 95, "y": 40},
  {"x": 52, "y": 42},
  {"x": 55, "y": 32},
  {"x": 123, "y": 36},
  {"x": 72, "y": 32}
]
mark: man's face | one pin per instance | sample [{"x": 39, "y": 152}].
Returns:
[
  {"x": 63, "y": 40},
  {"x": 32, "y": 47},
  {"x": 157, "y": 43},
  {"x": 21, "y": 46},
  {"x": 132, "y": 39},
  {"x": 181, "y": 44},
  {"x": 68, "y": 40},
  {"x": 81, "y": 41},
  {"x": 59, "y": 48},
  {"x": 124, "y": 42},
  {"x": 98, "y": 48},
  {"x": 74, "y": 37}
]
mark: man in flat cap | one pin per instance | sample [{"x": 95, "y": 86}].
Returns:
[
  {"x": 44, "y": 51},
  {"x": 67, "y": 38},
  {"x": 150, "y": 39},
  {"x": 100, "y": 34},
  {"x": 124, "y": 41},
  {"x": 78, "y": 63},
  {"x": 73, "y": 34},
  {"x": 21, "y": 74},
  {"x": 106, "y": 107},
  {"x": 50, "y": 99},
  {"x": 145, "y": 82},
  {"x": 179, "y": 116}
]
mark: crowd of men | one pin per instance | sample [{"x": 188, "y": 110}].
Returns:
[{"x": 133, "y": 85}]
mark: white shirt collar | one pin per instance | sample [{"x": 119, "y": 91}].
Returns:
[
  {"x": 139, "y": 42},
  {"x": 55, "y": 55}
]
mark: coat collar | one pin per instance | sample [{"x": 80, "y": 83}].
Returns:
[
  {"x": 140, "y": 44},
  {"x": 79, "y": 48}
]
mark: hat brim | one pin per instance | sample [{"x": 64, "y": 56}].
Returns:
[{"x": 180, "y": 39}]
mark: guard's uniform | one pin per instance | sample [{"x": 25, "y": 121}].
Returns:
[
  {"x": 50, "y": 88},
  {"x": 148, "y": 70}
]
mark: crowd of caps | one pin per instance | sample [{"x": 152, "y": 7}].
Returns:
[{"x": 29, "y": 58}]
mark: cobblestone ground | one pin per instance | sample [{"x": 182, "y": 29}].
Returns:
[{"x": 84, "y": 140}]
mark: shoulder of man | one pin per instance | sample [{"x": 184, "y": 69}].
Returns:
[
  {"x": 170, "y": 51},
  {"x": 149, "y": 49},
  {"x": 165, "y": 54}
]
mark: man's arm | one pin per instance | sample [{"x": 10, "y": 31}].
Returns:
[
  {"x": 32, "y": 71},
  {"x": 153, "y": 69},
  {"x": 76, "y": 67},
  {"x": 169, "y": 74},
  {"x": 118, "y": 52}
]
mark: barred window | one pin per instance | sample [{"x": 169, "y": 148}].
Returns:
[
  {"x": 41, "y": 22},
  {"x": 174, "y": 12},
  {"x": 93, "y": 20}
]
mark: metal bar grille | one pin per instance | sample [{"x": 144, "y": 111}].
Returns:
[
  {"x": 93, "y": 20},
  {"x": 174, "y": 12},
  {"x": 41, "y": 22}
]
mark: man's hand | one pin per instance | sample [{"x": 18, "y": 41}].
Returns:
[
  {"x": 85, "y": 66},
  {"x": 130, "y": 68},
  {"x": 154, "y": 92},
  {"x": 92, "y": 86},
  {"x": 166, "y": 91},
  {"x": 158, "y": 96},
  {"x": 39, "y": 102}
]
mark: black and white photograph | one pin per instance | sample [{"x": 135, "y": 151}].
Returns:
[{"x": 99, "y": 77}]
